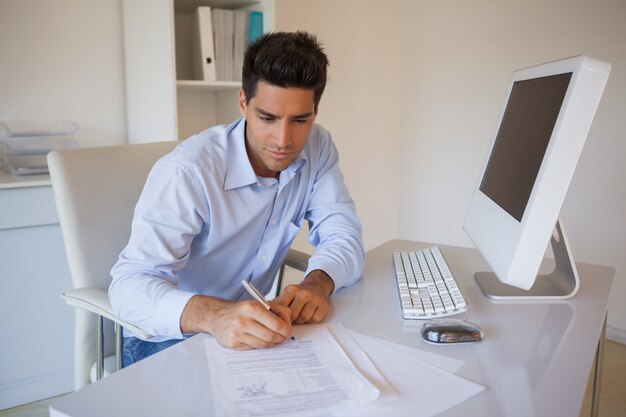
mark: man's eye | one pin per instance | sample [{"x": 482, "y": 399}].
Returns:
[
  {"x": 300, "y": 121},
  {"x": 266, "y": 119}
]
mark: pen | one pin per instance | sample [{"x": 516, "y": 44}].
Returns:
[{"x": 258, "y": 296}]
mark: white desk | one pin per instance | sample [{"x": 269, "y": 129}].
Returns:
[{"x": 535, "y": 359}]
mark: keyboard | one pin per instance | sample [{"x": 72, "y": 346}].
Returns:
[{"x": 426, "y": 286}]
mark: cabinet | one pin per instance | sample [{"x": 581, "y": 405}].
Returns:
[
  {"x": 37, "y": 349},
  {"x": 163, "y": 102}
]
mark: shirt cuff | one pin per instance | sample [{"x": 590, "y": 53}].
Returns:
[{"x": 169, "y": 311}]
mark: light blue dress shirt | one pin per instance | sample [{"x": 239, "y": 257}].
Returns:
[{"x": 205, "y": 222}]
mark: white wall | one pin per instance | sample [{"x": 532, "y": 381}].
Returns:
[
  {"x": 359, "y": 106},
  {"x": 64, "y": 60},
  {"x": 418, "y": 84}
]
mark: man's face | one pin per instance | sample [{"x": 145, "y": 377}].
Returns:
[{"x": 278, "y": 124}]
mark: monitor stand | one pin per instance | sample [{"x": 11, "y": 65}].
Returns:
[{"x": 560, "y": 284}]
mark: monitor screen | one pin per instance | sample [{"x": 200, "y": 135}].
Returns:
[
  {"x": 522, "y": 141},
  {"x": 539, "y": 136}
]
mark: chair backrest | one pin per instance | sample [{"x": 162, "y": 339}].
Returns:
[{"x": 96, "y": 190}]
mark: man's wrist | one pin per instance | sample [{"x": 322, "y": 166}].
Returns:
[
  {"x": 320, "y": 278},
  {"x": 198, "y": 314}
]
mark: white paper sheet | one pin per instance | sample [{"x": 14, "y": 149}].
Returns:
[
  {"x": 423, "y": 389},
  {"x": 306, "y": 377},
  {"x": 361, "y": 361},
  {"x": 439, "y": 361}
]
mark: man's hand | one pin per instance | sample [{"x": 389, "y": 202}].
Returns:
[
  {"x": 309, "y": 300},
  {"x": 238, "y": 325}
]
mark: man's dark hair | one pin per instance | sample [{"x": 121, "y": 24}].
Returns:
[{"x": 285, "y": 59}]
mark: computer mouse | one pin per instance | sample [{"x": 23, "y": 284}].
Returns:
[{"x": 446, "y": 330}]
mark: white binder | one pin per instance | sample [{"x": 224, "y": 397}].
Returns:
[
  {"x": 241, "y": 19},
  {"x": 218, "y": 36},
  {"x": 202, "y": 45},
  {"x": 229, "y": 41}
]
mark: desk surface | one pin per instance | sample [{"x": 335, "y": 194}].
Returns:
[{"x": 535, "y": 359}]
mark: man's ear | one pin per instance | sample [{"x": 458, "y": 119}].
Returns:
[{"x": 242, "y": 102}]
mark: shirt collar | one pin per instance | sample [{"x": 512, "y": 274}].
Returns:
[
  {"x": 293, "y": 168},
  {"x": 239, "y": 171}
]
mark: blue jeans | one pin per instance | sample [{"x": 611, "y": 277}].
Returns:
[{"x": 135, "y": 349}]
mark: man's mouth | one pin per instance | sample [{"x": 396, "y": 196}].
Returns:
[{"x": 280, "y": 155}]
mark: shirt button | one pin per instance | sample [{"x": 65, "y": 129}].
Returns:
[
  {"x": 263, "y": 258},
  {"x": 273, "y": 221}
]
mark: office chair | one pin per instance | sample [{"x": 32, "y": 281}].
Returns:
[{"x": 96, "y": 190}]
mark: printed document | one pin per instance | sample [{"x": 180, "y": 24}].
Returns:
[{"x": 308, "y": 376}]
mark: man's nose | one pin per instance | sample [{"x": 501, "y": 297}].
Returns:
[{"x": 283, "y": 134}]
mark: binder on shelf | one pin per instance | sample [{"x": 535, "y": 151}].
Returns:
[
  {"x": 217, "y": 16},
  {"x": 229, "y": 40},
  {"x": 202, "y": 45},
  {"x": 256, "y": 26},
  {"x": 239, "y": 47}
]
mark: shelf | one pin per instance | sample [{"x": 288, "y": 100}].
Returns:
[
  {"x": 208, "y": 85},
  {"x": 23, "y": 181},
  {"x": 188, "y": 6}
]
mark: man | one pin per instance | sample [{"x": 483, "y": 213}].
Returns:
[{"x": 225, "y": 206}]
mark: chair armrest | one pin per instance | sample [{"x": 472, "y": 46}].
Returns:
[
  {"x": 298, "y": 260},
  {"x": 96, "y": 300}
]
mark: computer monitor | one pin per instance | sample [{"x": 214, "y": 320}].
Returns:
[{"x": 514, "y": 210}]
